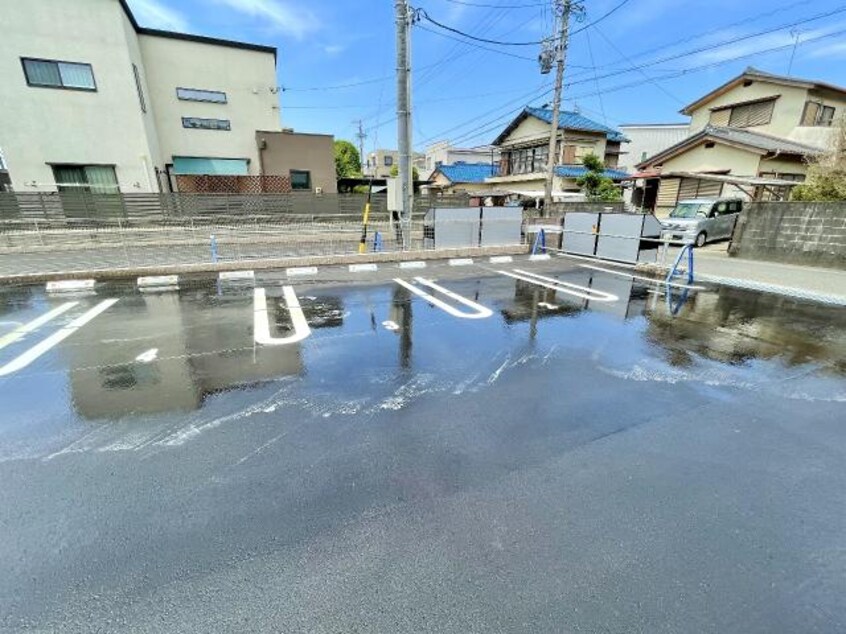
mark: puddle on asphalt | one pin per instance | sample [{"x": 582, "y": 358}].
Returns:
[{"x": 206, "y": 371}]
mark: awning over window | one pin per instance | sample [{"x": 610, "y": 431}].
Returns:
[{"x": 210, "y": 166}]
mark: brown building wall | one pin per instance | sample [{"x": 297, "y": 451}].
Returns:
[{"x": 281, "y": 152}]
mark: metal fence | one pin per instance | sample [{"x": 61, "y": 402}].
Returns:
[{"x": 49, "y": 232}]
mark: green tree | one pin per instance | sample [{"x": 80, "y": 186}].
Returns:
[
  {"x": 414, "y": 172},
  {"x": 347, "y": 160},
  {"x": 595, "y": 184},
  {"x": 826, "y": 179}
]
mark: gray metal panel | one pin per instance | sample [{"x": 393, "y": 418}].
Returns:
[
  {"x": 651, "y": 227},
  {"x": 501, "y": 226},
  {"x": 456, "y": 227},
  {"x": 578, "y": 233},
  {"x": 619, "y": 237}
]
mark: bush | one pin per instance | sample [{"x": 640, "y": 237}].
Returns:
[{"x": 595, "y": 184}]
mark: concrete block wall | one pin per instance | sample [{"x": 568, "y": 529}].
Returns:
[{"x": 798, "y": 233}]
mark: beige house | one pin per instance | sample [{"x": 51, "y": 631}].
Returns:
[
  {"x": 444, "y": 153},
  {"x": 524, "y": 151},
  {"x": 380, "y": 163},
  {"x": 308, "y": 160},
  {"x": 756, "y": 126},
  {"x": 94, "y": 101}
]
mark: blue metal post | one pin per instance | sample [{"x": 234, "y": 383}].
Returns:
[
  {"x": 214, "y": 250},
  {"x": 377, "y": 241}
]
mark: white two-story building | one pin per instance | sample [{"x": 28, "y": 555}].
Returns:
[{"x": 91, "y": 100}]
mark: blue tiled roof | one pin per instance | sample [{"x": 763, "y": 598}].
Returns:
[
  {"x": 469, "y": 172},
  {"x": 577, "y": 171},
  {"x": 576, "y": 121}
]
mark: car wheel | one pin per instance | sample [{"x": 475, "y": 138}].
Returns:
[{"x": 701, "y": 239}]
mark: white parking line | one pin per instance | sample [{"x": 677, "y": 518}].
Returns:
[
  {"x": 231, "y": 276},
  {"x": 69, "y": 286},
  {"x": 501, "y": 259},
  {"x": 261, "y": 320},
  {"x": 581, "y": 292},
  {"x": 363, "y": 268},
  {"x": 56, "y": 338},
  {"x": 169, "y": 281},
  {"x": 642, "y": 277},
  {"x": 461, "y": 262},
  {"x": 479, "y": 311},
  {"x": 303, "y": 270},
  {"x": 413, "y": 265},
  {"x": 20, "y": 333},
  {"x": 541, "y": 257}
]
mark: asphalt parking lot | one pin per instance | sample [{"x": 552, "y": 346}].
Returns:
[{"x": 495, "y": 447}]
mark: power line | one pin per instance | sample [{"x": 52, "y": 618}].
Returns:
[
  {"x": 498, "y": 6},
  {"x": 421, "y": 13},
  {"x": 482, "y": 130},
  {"x": 608, "y": 14}
]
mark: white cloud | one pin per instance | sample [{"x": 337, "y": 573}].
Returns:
[
  {"x": 154, "y": 14},
  {"x": 333, "y": 49},
  {"x": 280, "y": 15}
]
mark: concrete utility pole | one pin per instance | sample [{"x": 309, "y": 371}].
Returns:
[
  {"x": 361, "y": 136},
  {"x": 404, "y": 18},
  {"x": 563, "y": 9}
]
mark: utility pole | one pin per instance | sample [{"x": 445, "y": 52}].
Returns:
[
  {"x": 404, "y": 20},
  {"x": 361, "y": 136},
  {"x": 563, "y": 9}
]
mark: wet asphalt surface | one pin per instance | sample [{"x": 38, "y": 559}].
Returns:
[{"x": 562, "y": 466}]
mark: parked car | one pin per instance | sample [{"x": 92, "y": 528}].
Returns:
[{"x": 702, "y": 220}]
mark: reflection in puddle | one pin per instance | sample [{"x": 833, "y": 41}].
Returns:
[{"x": 203, "y": 341}]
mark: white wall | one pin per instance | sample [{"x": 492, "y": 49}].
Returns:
[
  {"x": 246, "y": 76},
  {"x": 649, "y": 140},
  {"x": 48, "y": 125}
]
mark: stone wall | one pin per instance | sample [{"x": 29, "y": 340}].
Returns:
[{"x": 797, "y": 232}]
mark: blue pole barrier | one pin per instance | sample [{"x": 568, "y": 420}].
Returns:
[
  {"x": 213, "y": 250},
  {"x": 377, "y": 241}
]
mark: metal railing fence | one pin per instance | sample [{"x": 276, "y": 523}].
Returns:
[{"x": 50, "y": 232}]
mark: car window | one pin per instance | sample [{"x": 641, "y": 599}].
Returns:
[{"x": 734, "y": 206}]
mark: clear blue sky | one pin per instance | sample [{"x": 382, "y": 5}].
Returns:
[{"x": 468, "y": 94}]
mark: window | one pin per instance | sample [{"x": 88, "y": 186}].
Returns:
[
  {"x": 192, "y": 94},
  {"x": 206, "y": 124},
  {"x": 527, "y": 160},
  {"x": 389, "y": 161},
  {"x": 140, "y": 88},
  {"x": 52, "y": 74},
  {"x": 97, "y": 179},
  {"x": 818, "y": 115},
  {"x": 300, "y": 179},
  {"x": 752, "y": 114},
  {"x": 745, "y": 115}
]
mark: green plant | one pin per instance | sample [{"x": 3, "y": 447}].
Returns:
[
  {"x": 595, "y": 184},
  {"x": 826, "y": 178},
  {"x": 347, "y": 160},
  {"x": 414, "y": 172}
]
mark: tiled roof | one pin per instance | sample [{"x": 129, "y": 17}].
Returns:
[
  {"x": 469, "y": 172},
  {"x": 576, "y": 121},
  {"x": 577, "y": 171},
  {"x": 740, "y": 136},
  {"x": 762, "y": 141}
]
